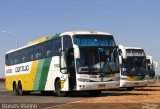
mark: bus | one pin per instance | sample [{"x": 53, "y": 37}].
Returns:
[
  {"x": 70, "y": 61},
  {"x": 151, "y": 67},
  {"x": 132, "y": 67}
]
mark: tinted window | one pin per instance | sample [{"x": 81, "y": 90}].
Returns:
[
  {"x": 94, "y": 40},
  {"x": 43, "y": 50},
  {"x": 67, "y": 42},
  {"x": 29, "y": 54},
  {"x": 7, "y": 59},
  {"x": 38, "y": 52},
  {"x": 10, "y": 59},
  {"x": 15, "y": 58},
  {"x": 56, "y": 46},
  {"x": 22, "y": 56},
  {"x": 47, "y": 49}
]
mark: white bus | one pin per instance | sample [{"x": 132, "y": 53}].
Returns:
[
  {"x": 151, "y": 67},
  {"x": 132, "y": 67},
  {"x": 70, "y": 61}
]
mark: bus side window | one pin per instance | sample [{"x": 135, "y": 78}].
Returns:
[
  {"x": 22, "y": 56},
  {"x": 23, "y": 59},
  {"x": 47, "y": 49},
  {"x": 10, "y": 59},
  {"x": 29, "y": 54},
  {"x": 56, "y": 46},
  {"x": 15, "y": 57},
  {"x": 49, "y": 53},
  {"x": 6, "y": 60},
  {"x": 38, "y": 52}
]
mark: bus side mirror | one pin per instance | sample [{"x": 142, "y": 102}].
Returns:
[
  {"x": 120, "y": 59},
  {"x": 122, "y": 51},
  {"x": 155, "y": 64},
  {"x": 76, "y": 51}
]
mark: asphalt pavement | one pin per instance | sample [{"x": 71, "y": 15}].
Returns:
[{"x": 8, "y": 99}]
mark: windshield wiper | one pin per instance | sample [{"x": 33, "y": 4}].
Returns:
[{"x": 106, "y": 63}]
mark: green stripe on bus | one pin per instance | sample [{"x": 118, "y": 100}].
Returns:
[
  {"x": 38, "y": 74},
  {"x": 53, "y": 37},
  {"x": 44, "y": 74}
]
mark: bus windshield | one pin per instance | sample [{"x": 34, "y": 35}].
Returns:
[
  {"x": 98, "y": 60},
  {"x": 134, "y": 66},
  {"x": 94, "y": 40}
]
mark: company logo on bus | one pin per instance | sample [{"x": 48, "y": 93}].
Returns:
[
  {"x": 22, "y": 68},
  {"x": 9, "y": 71}
]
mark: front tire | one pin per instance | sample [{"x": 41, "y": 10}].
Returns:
[
  {"x": 130, "y": 88},
  {"x": 58, "y": 91},
  {"x": 95, "y": 93}
]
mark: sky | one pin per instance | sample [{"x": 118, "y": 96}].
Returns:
[{"x": 132, "y": 22}]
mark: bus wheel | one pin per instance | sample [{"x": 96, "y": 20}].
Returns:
[
  {"x": 15, "y": 90},
  {"x": 58, "y": 89},
  {"x": 20, "y": 92},
  {"x": 130, "y": 88},
  {"x": 95, "y": 92}
]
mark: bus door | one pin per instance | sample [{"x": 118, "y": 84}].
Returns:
[{"x": 70, "y": 61}]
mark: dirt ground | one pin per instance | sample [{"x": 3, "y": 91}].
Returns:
[
  {"x": 140, "y": 98},
  {"x": 150, "y": 94}
]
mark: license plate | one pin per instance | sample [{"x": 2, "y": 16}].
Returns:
[{"x": 101, "y": 85}]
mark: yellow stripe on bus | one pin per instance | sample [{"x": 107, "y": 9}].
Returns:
[
  {"x": 27, "y": 80},
  {"x": 32, "y": 75}
]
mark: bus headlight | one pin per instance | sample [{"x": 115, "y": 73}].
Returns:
[{"x": 116, "y": 78}]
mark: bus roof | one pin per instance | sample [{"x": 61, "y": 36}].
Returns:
[
  {"x": 84, "y": 32},
  {"x": 10, "y": 51},
  {"x": 43, "y": 39},
  {"x": 149, "y": 57},
  {"x": 133, "y": 48},
  {"x": 125, "y": 47}
]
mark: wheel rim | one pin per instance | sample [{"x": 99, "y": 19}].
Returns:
[
  {"x": 59, "y": 87},
  {"x": 15, "y": 90},
  {"x": 20, "y": 92}
]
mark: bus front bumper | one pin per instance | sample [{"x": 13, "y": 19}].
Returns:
[
  {"x": 151, "y": 81},
  {"x": 126, "y": 83},
  {"x": 82, "y": 86}
]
